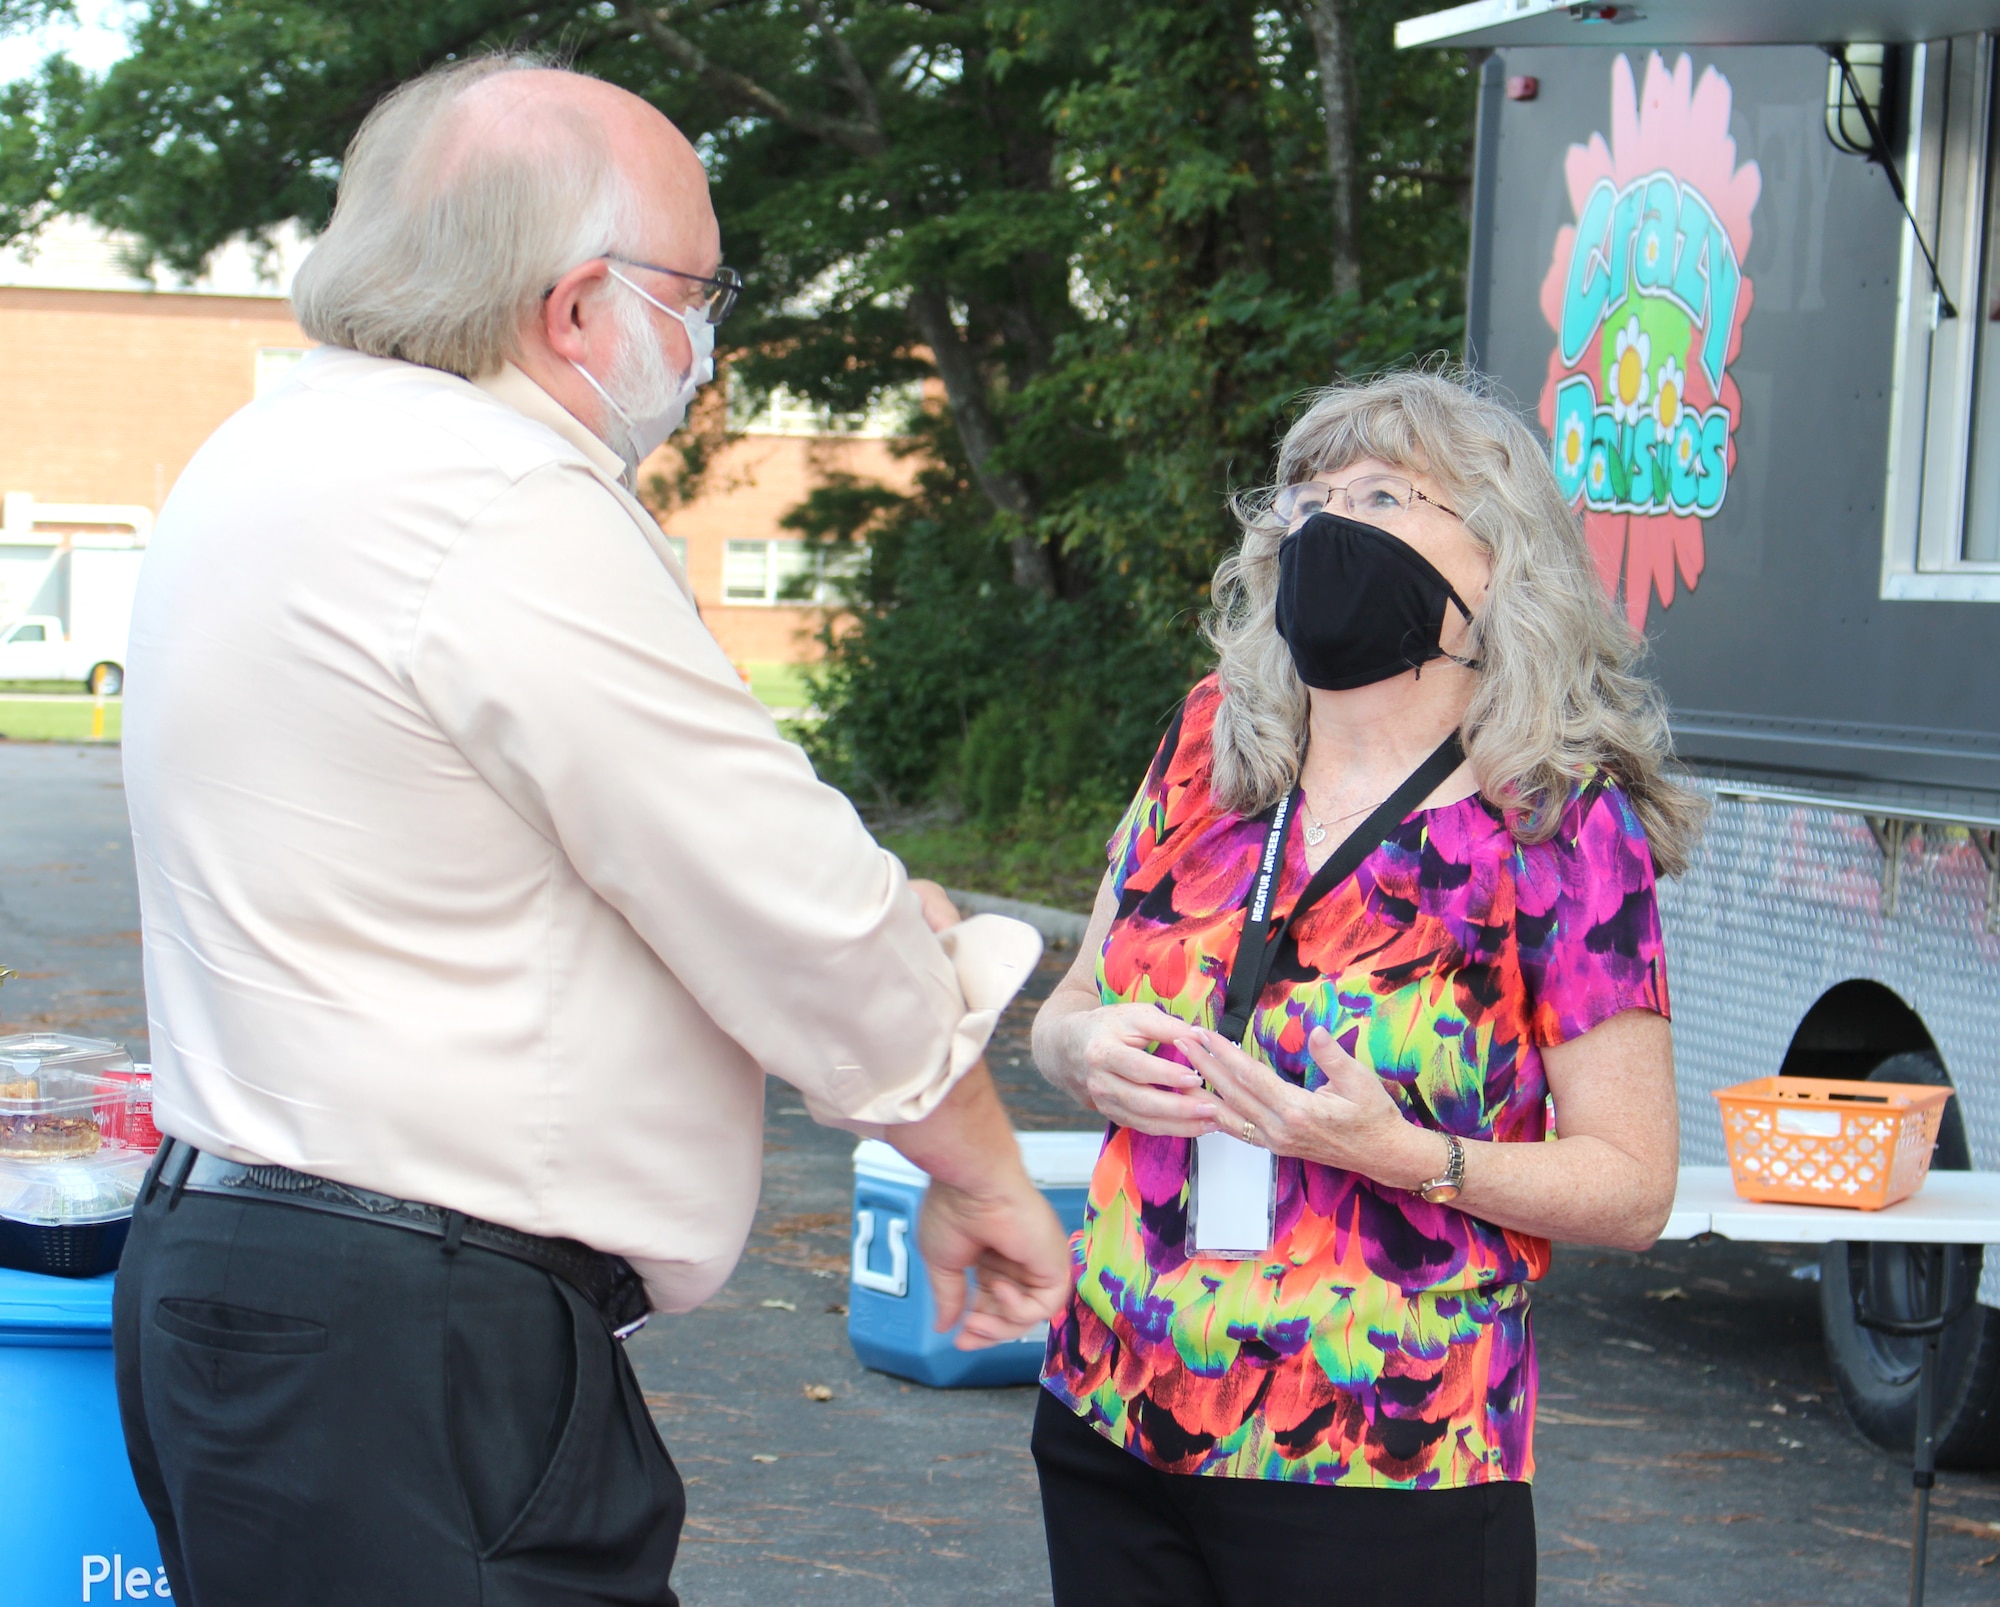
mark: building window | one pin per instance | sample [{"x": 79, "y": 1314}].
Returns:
[
  {"x": 679, "y": 547},
  {"x": 770, "y": 572},
  {"x": 1941, "y": 537},
  {"x": 782, "y": 413},
  {"x": 746, "y": 572},
  {"x": 275, "y": 365}
]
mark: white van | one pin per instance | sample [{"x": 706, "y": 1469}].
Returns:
[{"x": 66, "y": 594}]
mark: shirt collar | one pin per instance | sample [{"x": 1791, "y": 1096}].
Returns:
[{"x": 511, "y": 385}]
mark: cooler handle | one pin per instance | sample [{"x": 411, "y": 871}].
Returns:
[{"x": 896, "y": 1281}]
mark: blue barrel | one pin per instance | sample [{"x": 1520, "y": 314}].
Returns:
[
  {"x": 71, "y": 1525},
  {"x": 890, "y": 1312}
]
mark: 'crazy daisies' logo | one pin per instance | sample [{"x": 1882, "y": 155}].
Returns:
[{"x": 1647, "y": 298}]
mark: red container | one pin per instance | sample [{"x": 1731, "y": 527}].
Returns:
[{"x": 128, "y": 1118}]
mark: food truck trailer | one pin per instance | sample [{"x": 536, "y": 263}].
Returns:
[{"x": 1742, "y": 258}]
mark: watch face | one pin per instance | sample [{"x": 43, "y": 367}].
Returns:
[{"x": 1441, "y": 1193}]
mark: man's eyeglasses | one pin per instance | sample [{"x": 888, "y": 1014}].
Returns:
[
  {"x": 1373, "y": 497},
  {"x": 724, "y": 286}
]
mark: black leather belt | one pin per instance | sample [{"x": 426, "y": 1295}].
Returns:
[{"x": 606, "y": 1281}]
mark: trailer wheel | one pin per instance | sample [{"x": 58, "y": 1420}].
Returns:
[
  {"x": 106, "y": 680},
  {"x": 1875, "y": 1373}
]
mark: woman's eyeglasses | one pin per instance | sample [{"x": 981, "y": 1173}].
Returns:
[
  {"x": 1373, "y": 497},
  {"x": 724, "y": 285}
]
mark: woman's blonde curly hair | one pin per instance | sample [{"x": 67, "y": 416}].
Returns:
[{"x": 1559, "y": 691}]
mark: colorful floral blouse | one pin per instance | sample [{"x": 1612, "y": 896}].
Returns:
[{"x": 1382, "y": 1341}]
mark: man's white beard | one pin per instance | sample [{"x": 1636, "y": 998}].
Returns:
[{"x": 640, "y": 381}]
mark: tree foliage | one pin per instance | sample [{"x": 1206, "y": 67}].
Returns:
[{"x": 1124, "y": 235}]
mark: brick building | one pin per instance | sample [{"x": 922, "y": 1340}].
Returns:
[{"x": 109, "y": 382}]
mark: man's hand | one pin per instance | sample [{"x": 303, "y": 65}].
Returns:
[
  {"x": 1014, "y": 1248},
  {"x": 981, "y": 1215},
  {"x": 939, "y": 910}
]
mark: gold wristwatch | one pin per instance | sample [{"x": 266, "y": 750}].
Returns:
[{"x": 1443, "y": 1190}]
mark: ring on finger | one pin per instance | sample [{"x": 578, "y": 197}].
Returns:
[{"x": 1249, "y": 1133}]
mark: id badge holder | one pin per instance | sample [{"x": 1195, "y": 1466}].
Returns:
[{"x": 1232, "y": 1199}]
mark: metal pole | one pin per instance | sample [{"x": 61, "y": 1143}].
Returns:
[
  {"x": 1936, "y": 1265},
  {"x": 1923, "y": 1471}
]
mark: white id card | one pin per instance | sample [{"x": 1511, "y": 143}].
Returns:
[{"x": 1234, "y": 1187}]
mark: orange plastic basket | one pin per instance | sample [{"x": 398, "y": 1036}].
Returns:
[{"x": 1817, "y": 1141}]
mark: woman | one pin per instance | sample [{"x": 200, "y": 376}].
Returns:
[{"x": 1305, "y": 1373}]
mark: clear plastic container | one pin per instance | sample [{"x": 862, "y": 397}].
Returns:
[
  {"x": 69, "y": 1217},
  {"x": 57, "y": 1094},
  {"x": 80, "y": 1192}
]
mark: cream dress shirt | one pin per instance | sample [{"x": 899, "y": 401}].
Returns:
[{"x": 469, "y": 870}]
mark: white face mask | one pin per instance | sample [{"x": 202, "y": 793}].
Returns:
[{"x": 647, "y": 398}]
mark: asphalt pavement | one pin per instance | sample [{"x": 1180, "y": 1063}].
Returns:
[
  {"x": 69, "y": 907},
  {"x": 1691, "y": 1447}
]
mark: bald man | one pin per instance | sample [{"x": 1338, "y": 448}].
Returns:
[{"x": 480, "y": 899}]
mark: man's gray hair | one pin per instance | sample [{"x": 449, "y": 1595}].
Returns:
[{"x": 441, "y": 244}]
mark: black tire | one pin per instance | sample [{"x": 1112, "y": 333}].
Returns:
[
  {"x": 1877, "y": 1374},
  {"x": 106, "y": 680}
]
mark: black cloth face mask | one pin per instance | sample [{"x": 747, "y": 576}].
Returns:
[{"x": 1357, "y": 606}]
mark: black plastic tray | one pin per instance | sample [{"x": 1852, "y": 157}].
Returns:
[{"x": 81, "y": 1251}]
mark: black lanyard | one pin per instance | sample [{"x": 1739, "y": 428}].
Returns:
[{"x": 1257, "y": 949}]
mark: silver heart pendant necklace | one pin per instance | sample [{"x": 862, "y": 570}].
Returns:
[{"x": 1315, "y": 829}]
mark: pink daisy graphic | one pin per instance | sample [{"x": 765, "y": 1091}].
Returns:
[{"x": 1677, "y": 129}]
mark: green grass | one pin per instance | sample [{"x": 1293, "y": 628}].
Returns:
[
  {"x": 1056, "y": 860},
  {"x": 776, "y": 686},
  {"x": 779, "y": 686},
  {"x": 22, "y": 721}
]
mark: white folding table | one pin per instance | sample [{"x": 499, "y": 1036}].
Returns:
[{"x": 1951, "y": 1208}]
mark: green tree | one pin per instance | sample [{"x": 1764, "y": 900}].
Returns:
[{"x": 1123, "y": 235}]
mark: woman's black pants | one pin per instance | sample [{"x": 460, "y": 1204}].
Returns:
[{"x": 1123, "y": 1534}]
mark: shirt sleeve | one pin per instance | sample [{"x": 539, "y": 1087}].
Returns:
[
  {"x": 1588, "y": 920},
  {"x": 1145, "y": 822},
  {"x": 559, "y": 657}
]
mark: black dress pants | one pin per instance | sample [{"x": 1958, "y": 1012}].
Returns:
[
  {"x": 321, "y": 1410},
  {"x": 1123, "y": 1534}
]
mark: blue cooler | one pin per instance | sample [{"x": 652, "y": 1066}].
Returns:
[
  {"x": 71, "y": 1526},
  {"x": 890, "y": 1313}
]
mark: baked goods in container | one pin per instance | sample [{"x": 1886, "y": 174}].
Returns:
[
  {"x": 56, "y": 1093},
  {"x": 48, "y": 1137}
]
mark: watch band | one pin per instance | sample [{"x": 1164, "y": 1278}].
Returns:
[{"x": 1443, "y": 1190}]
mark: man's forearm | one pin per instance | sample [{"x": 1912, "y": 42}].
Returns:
[{"x": 967, "y": 1142}]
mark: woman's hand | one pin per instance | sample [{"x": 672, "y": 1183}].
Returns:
[
  {"x": 1101, "y": 1054},
  {"x": 1102, "y": 1057},
  {"x": 1349, "y": 1121}
]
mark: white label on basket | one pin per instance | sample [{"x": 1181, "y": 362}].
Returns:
[{"x": 1810, "y": 1123}]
